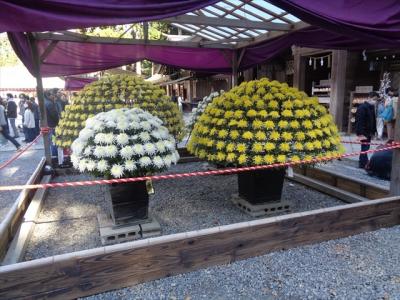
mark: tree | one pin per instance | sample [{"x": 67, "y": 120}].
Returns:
[
  {"x": 7, "y": 54},
  {"x": 156, "y": 31}
]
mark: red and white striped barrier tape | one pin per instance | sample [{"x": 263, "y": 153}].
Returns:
[
  {"x": 191, "y": 174},
  {"x": 18, "y": 154}
]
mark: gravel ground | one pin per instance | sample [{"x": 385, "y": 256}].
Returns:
[
  {"x": 16, "y": 173},
  {"x": 68, "y": 220},
  {"x": 350, "y": 168},
  {"x": 349, "y": 268}
]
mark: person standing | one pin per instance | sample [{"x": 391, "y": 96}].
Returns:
[
  {"x": 4, "y": 129},
  {"x": 29, "y": 122},
  {"x": 380, "y": 124},
  {"x": 36, "y": 112},
  {"x": 12, "y": 113},
  {"x": 366, "y": 126},
  {"x": 388, "y": 113}
]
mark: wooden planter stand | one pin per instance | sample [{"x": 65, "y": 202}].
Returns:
[{"x": 260, "y": 192}]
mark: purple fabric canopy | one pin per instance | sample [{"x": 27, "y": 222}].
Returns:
[
  {"x": 77, "y": 83},
  {"x": 71, "y": 58},
  {"x": 52, "y": 15},
  {"x": 377, "y": 20},
  {"x": 312, "y": 37}
]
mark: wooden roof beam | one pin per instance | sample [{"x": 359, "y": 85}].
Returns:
[{"x": 209, "y": 21}]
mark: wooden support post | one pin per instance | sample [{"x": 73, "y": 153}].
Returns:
[
  {"x": 299, "y": 70},
  {"x": 145, "y": 31},
  {"x": 40, "y": 95},
  {"x": 395, "y": 176},
  {"x": 338, "y": 84},
  {"x": 234, "y": 69}
]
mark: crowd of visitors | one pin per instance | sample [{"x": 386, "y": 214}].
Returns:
[{"x": 28, "y": 109}]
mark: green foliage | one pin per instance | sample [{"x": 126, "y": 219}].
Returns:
[{"x": 7, "y": 54}]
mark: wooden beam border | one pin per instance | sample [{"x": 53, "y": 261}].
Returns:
[
  {"x": 10, "y": 224},
  {"x": 102, "y": 269}
]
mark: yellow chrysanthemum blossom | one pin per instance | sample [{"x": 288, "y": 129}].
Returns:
[
  {"x": 223, "y": 133},
  {"x": 274, "y": 135},
  {"x": 234, "y": 134},
  {"x": 269, "y": 159},
  {"x": 242, "y": 159},
  {"x": 258, "y": 160},
  {"x": 242, "y": 124},
  {"x": 230, "y": 157},
  {"x": 257, "y": 124},
  {"x": 260, "y": 136},
  {"x": 285, "y": 147},
  {"x": 281, "y": 158},
  {"x": 269, "y": 146},
  {"x": 258, "y": 147},
  {"x": 241, "y": 148},
  {"x": 248, "y": 135},
  {"x": 269, "y": 124}
]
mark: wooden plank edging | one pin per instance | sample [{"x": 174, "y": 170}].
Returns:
[
  {"x": 10, "y": 224},
  {"x": 16, "y": 250},
  {"x": 102, "y": 269}
]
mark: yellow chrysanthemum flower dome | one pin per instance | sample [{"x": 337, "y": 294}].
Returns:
[
  {"x": 113, "y": 92},
  {"x": 264, "y": 122}
]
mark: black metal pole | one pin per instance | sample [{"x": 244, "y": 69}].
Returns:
[{"x": 39, "y": 91}]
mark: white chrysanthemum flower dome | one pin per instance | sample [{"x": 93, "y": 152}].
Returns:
[
  {"x": 112, "y": 147},
  {"x": 201, "y": 106}
]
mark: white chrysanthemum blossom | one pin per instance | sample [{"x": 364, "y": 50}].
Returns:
[
  {"x": 82, "y": 165},
  {"x": 122, "y": 139},
  {"x": 138, "y": 149},
  {"x": 110, "y": 151},
  {"x": 77, "y": 147},
  {"x": 167, "y": 161},
  {"x": 130, "y": 165},
  {"x": 117, "y": 171},
  {"x": 145, "y": 161},
  {"x": 160, "y": 147},
  {"x": 158, "y": 162},
  {"x": 126, "y": 152},
  {"x": 99, "y": 138},
  {"x": 85, "y": 134},
  {"x": 88, "y": 151},
  {"x": 145, "y": 125},
  {"x": 123, "y": 125},
  {"x": 145, "y": 136},
  {"x": 123, "y": 143},
  {"x": 150, "y": 148},
  {"x": 102, "y": 165},
  {"x": 91, "y": 165},
  {"x": 201, "y": 107},
  {"x": 108, "y": 138},
  {"x": 99, "y": 151}
]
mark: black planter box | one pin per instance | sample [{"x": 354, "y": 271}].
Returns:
[
  {"x": 261, "y": 186},
  {"x": 130, "y": 202}
]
